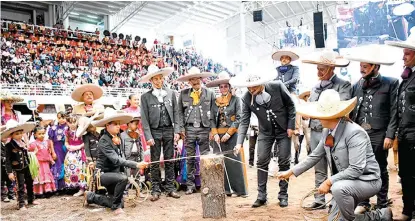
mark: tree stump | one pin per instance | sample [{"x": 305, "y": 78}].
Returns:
[{"x": 212, "y": 189}]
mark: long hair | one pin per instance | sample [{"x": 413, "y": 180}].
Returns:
[{"x": 73, "y": 120}]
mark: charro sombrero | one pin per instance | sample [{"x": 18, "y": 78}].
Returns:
[
  {"x": 329, "y": 106},
  {"x": 249, "y": 79},
  {"x": 409, "y": 43},
  {"x": 7, "y": 96},
  {"x": 404, "y": 9},
  {"x": 277, "y": 55},
  {"x": 223, "y": 78},
  {"x": 327, "y": 57},
  {"x": 194, "y": 72},
  {"x": 372, "y": 54},
  {"x": 13, "y": 126},
  {"x": 110, "y": 115},
  {"x": 153, "y": 70},
  {"x": 84, "y": 122},
  {"x": 80, "y": 90}
]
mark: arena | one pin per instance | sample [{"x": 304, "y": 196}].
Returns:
[{"x": 203, "y": 110}]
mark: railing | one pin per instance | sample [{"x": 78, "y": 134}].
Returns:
[{"x": 64, "y": 90}]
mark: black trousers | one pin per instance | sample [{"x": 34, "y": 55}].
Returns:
[
  {"x": 252, "y": 143},
  {"x": 193, "y": 135},
  {"x": 23, "y": 177},
  {"x": 115, "y": 184},
  {"x": 406, "y": 154},
  {"x": 377, "y": 138},
  {"x": 7, "y": 186},
  {"x": 163, "y": 137}
]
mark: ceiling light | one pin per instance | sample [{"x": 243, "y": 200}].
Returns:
[
  {"x": 74, "y": 13},
  {"x": 90, "y": 16}
]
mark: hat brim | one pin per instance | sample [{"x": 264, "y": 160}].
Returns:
[
  {"x": 304, "y": 94},
  {"x": 88, "y": 120},
  {"x": 165, "y": 72},
  {"x": 240, "y": 81},
  {"x": 401, "y": 44},
  {"x": 217, "y": 82},
  {"x": 26, "y": 127},
  {"x": 14, "y": 98},
  {"x": 368, "y": 60},
  {"x": 80, "y": 90},
  {"x": 123, "y": 118},
  {"x": 277, "y": 55},
  {"x": 340, "y": 62},
  {"x": 198, "y": 75},
  {"x": 311, "y": 110}
]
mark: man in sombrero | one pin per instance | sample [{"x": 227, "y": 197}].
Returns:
[
  {"x": 195, "y": 106},
  {"x": 160, "y": 120},
  {"x": 346, "y": 146},
  {"x": 376, "y": 110},
  {"x": 87, "y": 94},
  {"x": 406, "y": 127},
  {"x": 326, "y": 62},
  {"x": 271, "y": 102},
  {"x": 287, "y": 73},
  {"x": 111, "y": 162}
]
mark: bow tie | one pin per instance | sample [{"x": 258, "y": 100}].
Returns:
[
  {"x": 329, "y": 141},
  {"x": 406, "y": 73},
  {"x": 370, "y": 83}
]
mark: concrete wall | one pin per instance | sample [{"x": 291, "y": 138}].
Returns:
[{"x": 15, "y": 15}]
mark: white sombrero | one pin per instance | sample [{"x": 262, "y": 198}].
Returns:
[
  {"x": 7, "y": 96},
  {"x": 409, "y": 43},
  {"x": 277, "y": 55},
  {"x": 223, "y": 78},
  {"x": 112, "y": 115},
  {"x": 327, "y": 57},
  {"x": 304, "y": 94},
  {"x": 80, "y": 90},
  {"x": 84, "y": 122},
  {"x": 194, "y": 72},
  {"x": 13, "y": 126},
  {"x": 372, "y": 54},
  {"x": 153, "y": 70},
  {"x": 248, "y": 79},
  {"x": 404, "y": 9},
  {"x": 329, "y": 106}
]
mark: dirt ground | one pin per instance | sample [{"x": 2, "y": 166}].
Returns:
[{"x": 189, "y": 208}]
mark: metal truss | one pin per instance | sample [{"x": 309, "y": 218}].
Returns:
[
  {"x": 67, "y": 8},
  {"x": 124, "y": 15}
]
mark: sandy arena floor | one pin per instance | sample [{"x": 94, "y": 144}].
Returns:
[{"x": 189, "y": 208}]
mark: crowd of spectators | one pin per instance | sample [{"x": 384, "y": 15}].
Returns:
[{"x": 55, "y": 57}]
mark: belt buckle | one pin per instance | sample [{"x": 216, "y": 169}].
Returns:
[
  {"x": 196, "y": 124},
  {"x": 366, "y": 126}
]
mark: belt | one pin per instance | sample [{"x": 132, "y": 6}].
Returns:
[
  {"x": 196, "y": 124},
  {"x": 316, "y": 129}
]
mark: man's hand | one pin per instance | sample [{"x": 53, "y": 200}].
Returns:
[
  {"x": 142, "y": 165},
  {"x": 216, "y": 138},
  {"x": 290, "y": 132},
  {"x": 150, "y": 142},
  {"x": 225, "y": 138},
  {"x": 176, "y": 137},
  {"x": 284, "y": 175},
  {"x": 325, "y": 187},
  {"x": 236, "y": 149},
  {"x": 11, "y": 177},
  {"x": 387, "y": 143}
]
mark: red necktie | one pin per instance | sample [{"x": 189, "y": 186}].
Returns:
[
  {"x": 406, "y": 73},
  {"x": 329, "y": 141}
]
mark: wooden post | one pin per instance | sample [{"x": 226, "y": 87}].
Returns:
[{"x": 213, "y": 191}]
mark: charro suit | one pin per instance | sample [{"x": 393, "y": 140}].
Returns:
[
  {"x": 157, "y": 126},
  {"x": 196, "y": 122},
  {"x": 345, "y": 91},
  {"x": 375, "y": 112},
  {"x": 289, "y": 78},
  {"x": 274, "y": 118},
  {"x": 357, "y": 175}
]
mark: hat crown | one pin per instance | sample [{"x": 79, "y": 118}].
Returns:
[
  {"x": 11, "y": 124},
  {"x": 152, "y": 69},
  {"x": 223, "y": 75},
  {"x": 110, "y": 112},
  {"x": 328, "y": 100},
  {"x": 193, "y": 70},
  {"x": 329, "y": 57}
]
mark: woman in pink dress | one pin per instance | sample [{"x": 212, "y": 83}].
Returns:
[{"x": 44, "y": 183}]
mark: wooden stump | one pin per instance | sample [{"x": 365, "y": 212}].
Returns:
[{"x": 212, "y": 189}]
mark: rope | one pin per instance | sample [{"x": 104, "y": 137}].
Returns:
[{"x": 307, "y": 217}]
